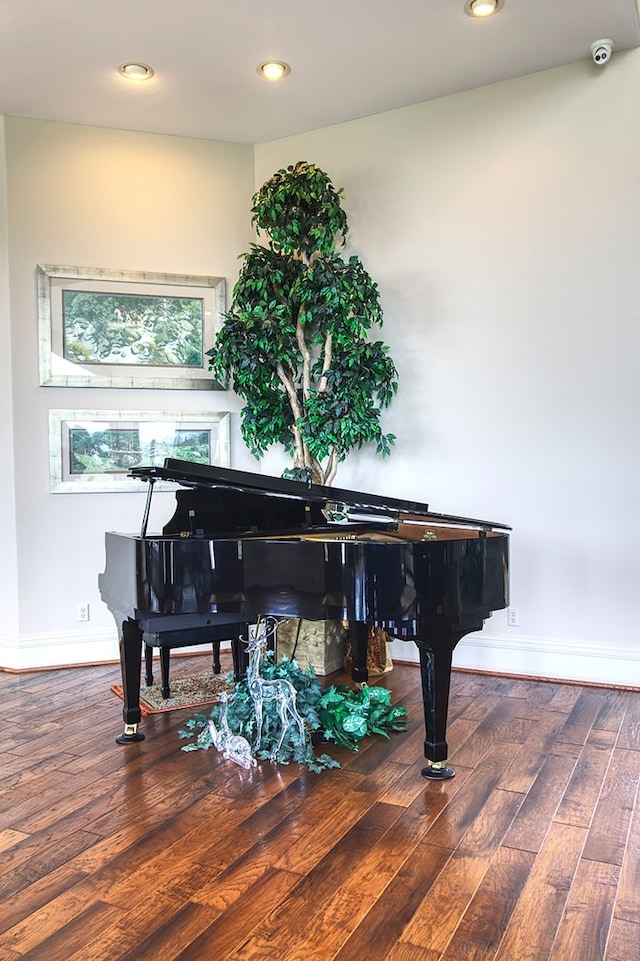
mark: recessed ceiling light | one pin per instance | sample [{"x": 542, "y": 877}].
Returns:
[
  {"x": 482, "y": 8},
  {"x": 273, "y": 69},
  {"x": 136, "y": 71}
]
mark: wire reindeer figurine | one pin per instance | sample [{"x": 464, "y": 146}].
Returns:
[
  {"x": 277, "y": 690},
  {"x": 234, "y": 747}
]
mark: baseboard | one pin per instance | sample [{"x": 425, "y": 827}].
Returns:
[
  {"x": 557, "y": 659},
  {"x": 32, "y": 651}
]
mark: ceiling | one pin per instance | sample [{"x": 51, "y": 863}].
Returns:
[{"x": 349, "y": 58}]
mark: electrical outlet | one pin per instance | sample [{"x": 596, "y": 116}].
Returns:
[
  {"x": 513, "y": 617},
  {"x": 82, "y": 612}
]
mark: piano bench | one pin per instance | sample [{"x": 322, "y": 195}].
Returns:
[{"x": 168, "y": 640}]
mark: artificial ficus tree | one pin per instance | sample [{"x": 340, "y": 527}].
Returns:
[{"x": 295, "y": 341}]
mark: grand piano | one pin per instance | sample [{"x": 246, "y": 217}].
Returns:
[{"x": 241, "y": 545}]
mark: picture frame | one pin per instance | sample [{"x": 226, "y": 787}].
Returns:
[
  {"x": 116, "y": 328},
  {"x": 91, "y": 451}
]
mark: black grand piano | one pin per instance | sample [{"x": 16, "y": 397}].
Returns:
[{"x": 241, "y": 545}]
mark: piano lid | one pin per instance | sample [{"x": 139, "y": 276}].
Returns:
[{"x": 339, "y": 506}]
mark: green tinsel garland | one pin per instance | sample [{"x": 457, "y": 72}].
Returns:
[{"x": 338, "y": 714}]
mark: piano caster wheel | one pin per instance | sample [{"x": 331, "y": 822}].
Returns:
[
  {"x": 131, "y": 734},
  {"x": 438, "y": 771}
]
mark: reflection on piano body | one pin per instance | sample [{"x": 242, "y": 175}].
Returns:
[{"x": 240, "y": 545}]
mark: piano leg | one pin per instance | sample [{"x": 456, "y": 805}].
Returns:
[
  {"x": 359, "y": 638},
  {"x": 435, "y": 670},
  {"x": 131, "y": 664}
]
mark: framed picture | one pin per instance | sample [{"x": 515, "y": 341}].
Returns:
[
  {"x": 92, "y": 451},
  {"x": 116, "y": 328}
]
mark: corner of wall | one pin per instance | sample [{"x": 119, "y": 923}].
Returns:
[{"x": 8, "y": 553}]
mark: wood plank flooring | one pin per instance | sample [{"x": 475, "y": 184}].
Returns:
[{"x": 531, "y": 853}]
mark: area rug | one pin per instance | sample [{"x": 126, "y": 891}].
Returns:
[{"x": 192, "y": 691}]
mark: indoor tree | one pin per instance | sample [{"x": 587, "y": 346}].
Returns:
[{"x": 295, "y": 341}]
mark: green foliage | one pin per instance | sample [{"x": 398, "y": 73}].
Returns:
[
  {"x": 339, "y": 715},
  {"x": 346, "y": 716},
  {"x": 295, "y": 342},
  {"x": 300, "y": 210}
]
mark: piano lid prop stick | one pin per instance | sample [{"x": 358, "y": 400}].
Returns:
[{"x": 147, "y": 508}]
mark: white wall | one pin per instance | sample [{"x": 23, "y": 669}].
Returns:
[
  {"x": 503, "y": 228},
  {"x": 93, "y": 197},
  {"x": 8, "y": 553}
]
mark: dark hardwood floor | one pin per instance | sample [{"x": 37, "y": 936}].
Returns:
[{"x": 531, "y": 853}]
